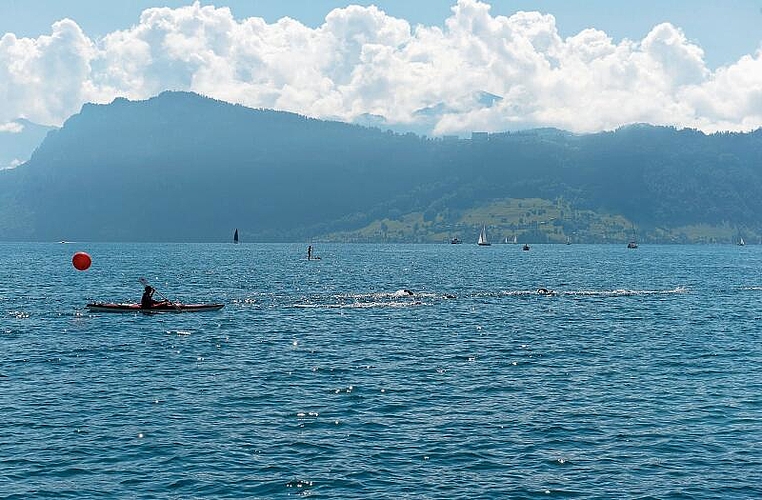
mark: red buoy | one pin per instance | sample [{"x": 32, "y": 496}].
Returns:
[{"x": 81, "y": 261}]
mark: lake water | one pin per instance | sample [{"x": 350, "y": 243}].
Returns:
[{"x": 640, "y": 378}]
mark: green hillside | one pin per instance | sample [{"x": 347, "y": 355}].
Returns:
[{"x": 530, "y": 221}]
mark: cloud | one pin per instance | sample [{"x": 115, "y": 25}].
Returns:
[
  {"x": 13, "y": 164},
  {"x": 11, "y": 127},
  {"x": 362, "y": 62},
  {"x": 45, "y": 78}
]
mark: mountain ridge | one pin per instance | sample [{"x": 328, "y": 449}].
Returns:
[
  {"x": 183, "y": 167},
  {"x": 18, "y": 140}
]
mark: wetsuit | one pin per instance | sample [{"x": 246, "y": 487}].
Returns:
[{"x": 146, "y": 302}]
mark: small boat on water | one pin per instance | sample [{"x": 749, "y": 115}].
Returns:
[
  {"x": 235, "y": 236},
  {"x": 483, "y": 241},
  {"x": 634, "y": 241},
  {"x": 525, "y": 247},
  {"x": 169, "y": 308},
  {"x": 456, "y": 241},
  {"x": 741, "y": 242}
]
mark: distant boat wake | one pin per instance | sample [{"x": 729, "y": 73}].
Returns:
[
  {"x": 622, "y": 292},
  {"x": 400, "y": 298},
  {"x": 625, "y": 292},
  {"x": 406, "y": 298}
]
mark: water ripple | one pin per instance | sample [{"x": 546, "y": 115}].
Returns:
[{"x": 636, "y": 378}]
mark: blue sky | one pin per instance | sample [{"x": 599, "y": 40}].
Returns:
[{"x": 419, "y": 65}]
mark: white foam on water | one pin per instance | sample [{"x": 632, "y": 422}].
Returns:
[
  {"x": 623, "y": 292},
  {"x": 360, "y": 305},
  {"x": 179, "y": 333}
]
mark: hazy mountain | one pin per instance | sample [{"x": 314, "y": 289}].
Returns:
[
  {"x": 425, "y": 119},
  {"x": 184, "y": 167},
  {"x": 181, "y": 167},
  {"x": 18, "y": 139}
]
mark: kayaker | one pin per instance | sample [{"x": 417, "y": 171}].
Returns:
[{"x": 147, "y": 301}]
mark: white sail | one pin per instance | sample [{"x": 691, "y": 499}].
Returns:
[{"x": 483, "y": 237}]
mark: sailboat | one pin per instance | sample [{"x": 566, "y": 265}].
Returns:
[
  {"x": 633, "y": 242},
  {"x": 235, "y": 236},
  {"x": 483, "y": 237},
  {"x": 741, "y": 242}
]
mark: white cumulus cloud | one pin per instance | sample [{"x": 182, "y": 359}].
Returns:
[
  {"x": 11, "y": 165},
  {"x": 362, "y": 62},
  {"x": 11, "y": 128}
]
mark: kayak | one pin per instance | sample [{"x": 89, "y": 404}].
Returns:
[{"x": 173, "y": 308}]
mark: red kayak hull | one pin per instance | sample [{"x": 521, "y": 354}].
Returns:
[{"x": 174, "y": 308}]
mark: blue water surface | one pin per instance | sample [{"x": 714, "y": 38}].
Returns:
[{"x": 640, "y": 377}]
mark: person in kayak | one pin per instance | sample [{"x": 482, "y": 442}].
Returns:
[{"x": 147, "y": 301}]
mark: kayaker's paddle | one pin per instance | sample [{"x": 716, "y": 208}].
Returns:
[{"x": 144, "y": 282}]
